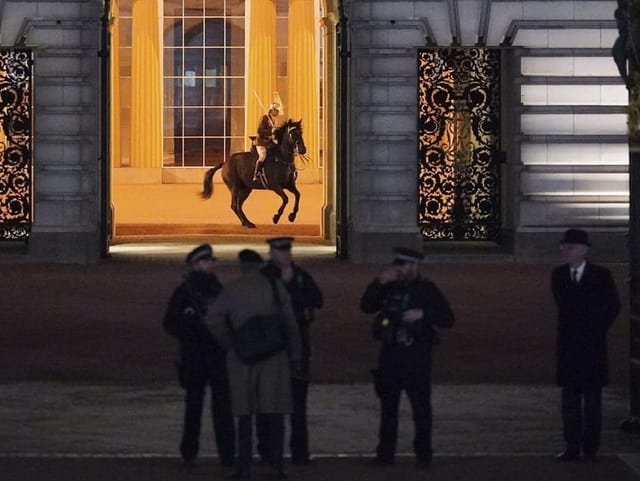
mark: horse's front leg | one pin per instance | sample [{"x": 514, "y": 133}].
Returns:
[
  {"x": 296, "y": 203},
  {"x": 285, "y": 201}
]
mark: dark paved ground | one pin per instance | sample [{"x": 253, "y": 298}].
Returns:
[
  {"x": 102, "y": 323},
  {"x": 72, "y": 335}
]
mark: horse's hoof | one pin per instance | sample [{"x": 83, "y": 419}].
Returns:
[
  {"x": 249, "y": 225},
  {"x": 276, "y": 219},
  {"x": 292, "y": 217}
]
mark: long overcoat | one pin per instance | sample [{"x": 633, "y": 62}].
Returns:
[
  {"x": 264, "y": 387},
  {"x": 586, "y": 310}
]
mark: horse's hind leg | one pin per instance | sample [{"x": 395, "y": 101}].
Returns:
[
  {"x": 285, "y": 201},
  {"x": 296, "y": 204},
  {"x": 238, "y": 196}
]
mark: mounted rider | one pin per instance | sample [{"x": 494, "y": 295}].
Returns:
[{"x": 265, "y": 140}]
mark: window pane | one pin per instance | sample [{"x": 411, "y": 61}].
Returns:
[
  {"x": 214, "y": 151},
  {"x": 214, "y": 122},
  {"x": 193, "y": 8},
  {"x": 235, "y": 32},
  {"x": 172, "y": 92},
  {"x": 172, "y": 152},
  {"x": 172, "y": 32},
  {"x": 235, "y": 87},
  {"x": 281, "y": 32},
  {"x": 282, "y": 8},
  {"x": 235, "y": 62},
  {"x": 193, "y": 152},
  {"x": 193, "y": 35},
  {"x": 193, "y": 91},
  {"x": 125, "y": 62},
  {"x": 235, "y": 8},
  {"x": 173, "y": 8},
  {"x": 192, "y": 122},
  {"x": 172, "y": 121},
  {"x": 172, "y": 62},
  {"x": 213, "y": 8},
  {"x": 125, "y": 8},
  {"x": 192, "y": 62},
  {"x": 214, "y": 32},
  {"x": 236, "y": 125},
  {"x": 125, "y": 32},
  {"x": 214, "y": 61},
  {"x": 281, "y": 62},
  {"x": 213, "y": 91}
]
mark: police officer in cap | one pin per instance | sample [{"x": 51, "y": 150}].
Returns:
[
  {"x": 202, "y": 360},
  {"x": 306, "y": 297},
  {"x": 407, "y": 307}
]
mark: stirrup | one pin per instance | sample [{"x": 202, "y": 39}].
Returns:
[{"x": 263, "y": 179}]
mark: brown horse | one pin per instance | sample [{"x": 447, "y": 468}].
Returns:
[{"x": 279, "y": 168}]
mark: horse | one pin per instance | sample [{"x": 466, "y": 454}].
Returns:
[{"x": 279, "y": 169}]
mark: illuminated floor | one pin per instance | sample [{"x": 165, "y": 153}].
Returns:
[{"x": 176, "y": 210}]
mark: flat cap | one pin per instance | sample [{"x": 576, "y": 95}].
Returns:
[
  {"x": 283, "y": 243},
  {"x": 204, "y": 251},
  {"x": 575, "y": 236},
  {"x": 402, "y": 255}
]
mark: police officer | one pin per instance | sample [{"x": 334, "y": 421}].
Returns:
[
  {"x": 306, "y": 297},
  {"x": 407, "y": 308},
  {"x": 202, "y": 360}
]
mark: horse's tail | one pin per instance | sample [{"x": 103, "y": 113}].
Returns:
[{"x": 207, "y": 184}]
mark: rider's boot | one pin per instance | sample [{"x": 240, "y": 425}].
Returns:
[{"x": 257, "y": 170}]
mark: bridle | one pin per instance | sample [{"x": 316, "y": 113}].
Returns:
[{"x": 293, "y": 140}]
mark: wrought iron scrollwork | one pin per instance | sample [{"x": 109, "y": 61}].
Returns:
[
  {"x": 15, "y": 143},
  {"x": 458, "y": 100}
]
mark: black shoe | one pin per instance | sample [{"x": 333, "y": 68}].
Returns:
[
  {"x": 378, "y": 461},
  {"x": 568, "y": 456}
]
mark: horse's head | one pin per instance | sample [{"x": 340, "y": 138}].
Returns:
[{"x": 289, "y": 135}]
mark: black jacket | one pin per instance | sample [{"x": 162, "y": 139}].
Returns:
[
  {"x": 392, "y": 298},
  {"x": 585, "y": 312},
  {"x": 184, "y": 320},
  {"x": 306, "y": 296}
]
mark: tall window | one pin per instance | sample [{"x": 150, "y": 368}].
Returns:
[{"x": 203, "y": 46}]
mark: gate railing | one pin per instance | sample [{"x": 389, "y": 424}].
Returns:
[{"x": 16, "y": 143}]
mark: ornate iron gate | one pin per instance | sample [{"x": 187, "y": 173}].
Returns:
[
  {"x": 459, "y": 107},
  {"x": 15, "y": 143}
]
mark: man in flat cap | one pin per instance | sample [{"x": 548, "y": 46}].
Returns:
[
  {"x": 407, "y": 307},
  {"x": 260, "y": 388},
  {"x": 305, "y": 297},
  {"x": 201, "y": 357},
  {"x": 587, "y": 304}
]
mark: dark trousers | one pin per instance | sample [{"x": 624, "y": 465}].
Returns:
[
  {"x": 271, "y": 439},
  {"x": 299, "y": 441},
  {"x": 582, "y": 419},
  {"x": 223, "y": 426},
  {"x": 408, "y": 371}
]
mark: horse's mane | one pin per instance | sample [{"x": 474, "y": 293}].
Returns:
[{"x": 279, "y": 131}]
